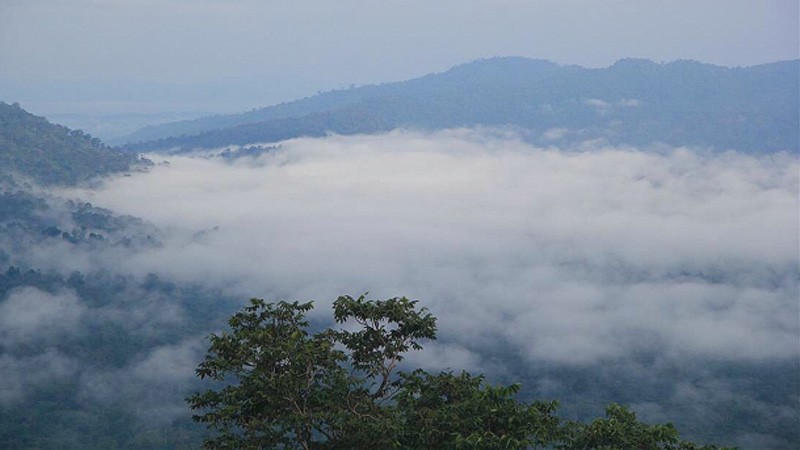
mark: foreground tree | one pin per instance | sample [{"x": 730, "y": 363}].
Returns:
[{"x": 281, "y": 387}]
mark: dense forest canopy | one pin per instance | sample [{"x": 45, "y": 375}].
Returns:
[{"x": 53, "y": 154}]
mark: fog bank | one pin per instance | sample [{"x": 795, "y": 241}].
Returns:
[{"x": 568, "y": 256}]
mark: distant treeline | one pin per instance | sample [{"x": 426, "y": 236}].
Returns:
[{"x": 635, "y": 102}]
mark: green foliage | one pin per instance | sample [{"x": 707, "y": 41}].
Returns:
[
  {"x": 52, "y": 154},
  {"x": 620, "y": 430},
  {"x": 296, "y": 388},
  {"x": 461, "y": 411},
  {"x": 280, "y": 387},
  {"x": 388, "y": 329},
  {"x": 287, "y": 378}
]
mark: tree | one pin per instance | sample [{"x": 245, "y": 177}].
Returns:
[
  {"x": 286, "y": 379},
  {"x": 280, "y": 386},
  {"x": 462, "y": 411},
  {"x": 295, "y": 389},
  {"x": 620, "y": 430}
]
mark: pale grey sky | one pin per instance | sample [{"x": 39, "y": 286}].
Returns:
[{"x": 66, "y": 52}]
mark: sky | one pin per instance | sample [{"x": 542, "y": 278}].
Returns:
[{"x": 145, "y": 56}]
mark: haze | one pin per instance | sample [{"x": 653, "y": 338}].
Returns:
[
  {"x": 145, "y": 56},
  {"x": 565, "y": 254}
]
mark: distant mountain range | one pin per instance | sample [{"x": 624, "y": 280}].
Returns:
[
  {"x": 50, "y": 154},
  {"x": 634, "y": 101}
]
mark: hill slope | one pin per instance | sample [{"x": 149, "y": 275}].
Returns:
[
  {"x": 53, "y": 154},
  {"x": 633, "y": 101}
]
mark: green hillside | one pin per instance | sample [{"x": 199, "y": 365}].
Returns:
[{"x": 53, "y": 154}]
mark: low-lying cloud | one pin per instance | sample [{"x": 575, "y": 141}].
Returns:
[
  {"x": 24, "y": 374},
  {"x": 568, "y": 256},
  {"x": 155, "y": 385},
  {"x": 30, "y": 315}
]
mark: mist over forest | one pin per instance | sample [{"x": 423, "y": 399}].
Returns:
[
  {"x": 602, "y": 230},
  {"x": 578, "y": 271}
]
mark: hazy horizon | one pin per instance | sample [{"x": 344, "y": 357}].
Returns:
[{"x": 142, "y": 56}]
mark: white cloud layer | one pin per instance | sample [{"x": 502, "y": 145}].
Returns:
[
  {"x": 571, "y": 257},
  {"x": 30, "y": 315}
]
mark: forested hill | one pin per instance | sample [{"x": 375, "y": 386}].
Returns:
[
  {"x": 634, "y": 101},
  {"x": 53, "y": 154}
]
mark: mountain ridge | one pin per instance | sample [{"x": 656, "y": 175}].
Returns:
[
  {"x": 633, "y": 101},
  {"x": 52, "y": 154}
]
